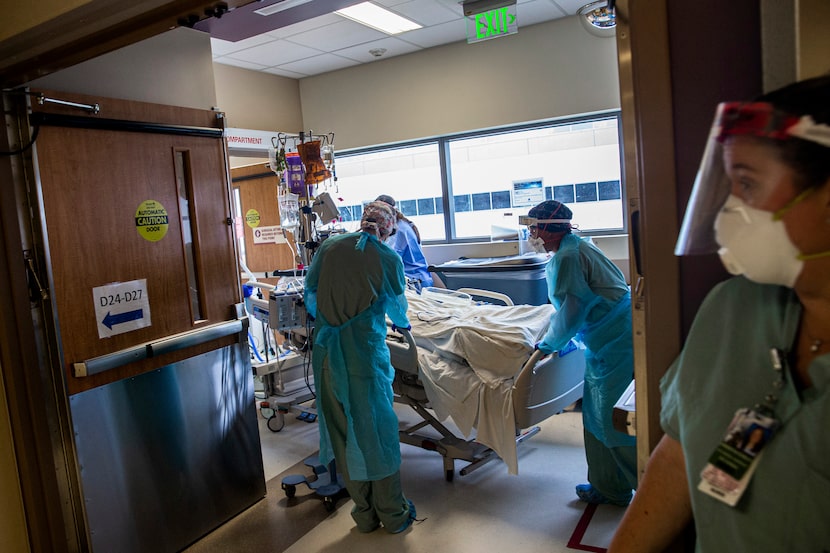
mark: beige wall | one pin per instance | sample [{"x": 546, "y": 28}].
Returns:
[
  {"x": 256, "y": 100},
  {"x": 146, "y": 72},
  {"x": 548, "y": 70}
]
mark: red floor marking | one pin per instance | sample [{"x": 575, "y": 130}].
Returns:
[{"x": 579, "y": 532}]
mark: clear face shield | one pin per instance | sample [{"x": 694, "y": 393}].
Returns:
[{"x": 712, "y": 185}]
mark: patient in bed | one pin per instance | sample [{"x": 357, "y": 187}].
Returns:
[{"x": 468, "y": 358}]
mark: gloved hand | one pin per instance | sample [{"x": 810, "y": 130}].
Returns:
[
  {"x": 537, "y": 347},
  {"x": 396, "y": 327}
]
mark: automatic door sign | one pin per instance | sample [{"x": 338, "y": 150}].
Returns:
[
  {"x": 252, "y": 218},
  {"x": 151, "y": 220},
  {"x": 121, "y": 307}
]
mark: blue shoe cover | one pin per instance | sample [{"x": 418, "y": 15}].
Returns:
[
  {"x": 410, "y": 520},
  {"x": 589, "y": 494}
]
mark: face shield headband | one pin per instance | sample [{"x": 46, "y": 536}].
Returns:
[
  {"x": 531, "y": 222},
  {"x": 712, "y": 185}
]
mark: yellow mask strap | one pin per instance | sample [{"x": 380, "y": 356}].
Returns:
[
  {"x": 776, "y": 216},
  {"x": 810, "y": 256}
]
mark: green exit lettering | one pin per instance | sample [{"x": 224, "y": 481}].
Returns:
[{"x": 493, "y": 23}]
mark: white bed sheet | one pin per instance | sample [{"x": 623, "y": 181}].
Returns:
[{"x": 469, "y": 357}]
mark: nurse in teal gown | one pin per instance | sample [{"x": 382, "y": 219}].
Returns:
[
  {"x": 354, "y": 282},
  {"x": 593, "y": 305}
]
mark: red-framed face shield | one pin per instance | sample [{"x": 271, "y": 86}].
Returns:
[{"x": 712, "y": 185}]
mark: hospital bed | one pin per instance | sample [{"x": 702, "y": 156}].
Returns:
[{"x": 474, "y": 362}]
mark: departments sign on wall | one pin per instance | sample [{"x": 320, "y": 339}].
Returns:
[{"x": 249, "y": 141}]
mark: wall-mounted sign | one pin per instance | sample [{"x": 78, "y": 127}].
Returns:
[
  {"x": 121, "y": 307},
  {"x": 151, "y": 220},
  {"x": 528, "y": 192},
  {"x": 492, "y": 24},
  {"x": 249, "y": 141},
  {"x": 269, "y": 235}
]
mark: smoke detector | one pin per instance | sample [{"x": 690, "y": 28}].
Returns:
[{"x": 377, "y": 52}]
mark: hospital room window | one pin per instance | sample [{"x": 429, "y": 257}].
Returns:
[
  {"x": 492, "y": 177},
  {"x": 564, "y": 193},
  {"x": 565, "y": 161},
  {"x": 586, "y": 192},
  {"x": 408, "y": 173}
]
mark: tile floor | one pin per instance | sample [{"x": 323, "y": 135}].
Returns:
[{"x": 486, "y": 510}]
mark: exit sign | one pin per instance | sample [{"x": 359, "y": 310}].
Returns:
[{"x": 492, "y": 24}]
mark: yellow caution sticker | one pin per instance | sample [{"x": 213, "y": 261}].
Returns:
[
  {"x": 151, "y": 220},
  {"x": 252, "y": 218}
]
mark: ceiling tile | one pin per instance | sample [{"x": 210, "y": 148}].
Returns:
[
  {"x": 428, "y": 12},
  {"x": 570, "y": 7},
  {"x": 537, "y": 11},
  {"x": 307, "y": 25},
  {"x": 222, "y": 47},
  {"x": 393, "y": 46},
  {"x": 445, "y": 33},
  {"x": 337, "y": 36},
  {"x": 327, "y": 42},
  {"x": 239, "y": 63},
  {"x": 318, "y": 64},
  {"x": 284, "y": 73},
  {"x": 275, "y": 52}
]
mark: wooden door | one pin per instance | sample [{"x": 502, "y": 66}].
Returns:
[
  {"x": 257, "y": 188},
  {"x": 139, "y": 232},
  {"x": 149, "y": 328}
]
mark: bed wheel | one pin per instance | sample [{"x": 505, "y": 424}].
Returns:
[
  {"x": 328, "y": 503},
  {"x": 290, "y": 490},
  {"x": 448, "y": 474},
  {"x": 276, "y": 422}
]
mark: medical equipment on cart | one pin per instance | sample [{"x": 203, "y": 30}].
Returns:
[
  {"x": 287, "y": 379},
  {"x": 477, "y": 366}
]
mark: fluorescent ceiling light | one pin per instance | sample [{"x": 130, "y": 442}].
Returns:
[
  {"x": 280, "y": 6},
  {"x": 378, "y": 18}
]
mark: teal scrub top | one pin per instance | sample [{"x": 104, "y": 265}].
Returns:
[
  {"x": 355, "y": 281},
  {"x": 593, "y": 304},
  {"x": 726, "y": 365}
]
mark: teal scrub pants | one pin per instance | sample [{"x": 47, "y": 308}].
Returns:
[
  {"x": 612, "y": 471},
  {"x": 375, "y": 501}
]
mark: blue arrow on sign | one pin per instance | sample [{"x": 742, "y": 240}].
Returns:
[{"x": 124, "y": 317}]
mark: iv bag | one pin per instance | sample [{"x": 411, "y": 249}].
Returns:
[{"x": 289, "y": 210}]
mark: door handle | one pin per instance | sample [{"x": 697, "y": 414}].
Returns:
[{"x": 167, "y": 345}]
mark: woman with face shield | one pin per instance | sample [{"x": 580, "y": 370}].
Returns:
[
  {"x": 593, "y": 304},
  {"x": 354, "y": 282},
  {"x": 758, "y": 353}
]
